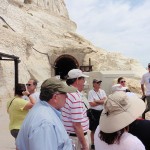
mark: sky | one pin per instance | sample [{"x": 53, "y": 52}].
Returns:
[{"x": 114, "y": 25}]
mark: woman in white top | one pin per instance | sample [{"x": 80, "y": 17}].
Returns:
[{"x": 119, "y": 111}]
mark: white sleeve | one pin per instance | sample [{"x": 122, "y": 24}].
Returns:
[
  {"x": 90, "y": 96},
  {"x": 103, "y": 94},
  {"x": 142, "y": 80}
]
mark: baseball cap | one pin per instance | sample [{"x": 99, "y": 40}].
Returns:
[
  {"x": 55, "y": 85},
  {"x": 96, "y": 81},
  {"x": 76, "y": 73}
]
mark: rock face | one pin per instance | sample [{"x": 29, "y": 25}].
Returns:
[{"x": 43, "y": 37}]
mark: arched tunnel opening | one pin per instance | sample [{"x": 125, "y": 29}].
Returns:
[{"x": 64, "y": 64}]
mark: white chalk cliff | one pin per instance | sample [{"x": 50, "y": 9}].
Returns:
[{"x": 44, "y": 26}]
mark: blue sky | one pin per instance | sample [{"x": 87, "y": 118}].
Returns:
[{"x": 115, "y": 25}]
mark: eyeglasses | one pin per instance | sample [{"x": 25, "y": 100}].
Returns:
[
  {"x": 28, "y": 84},
  {"x": 99, "y": 83},
  {"x": 122, "y": 81}
]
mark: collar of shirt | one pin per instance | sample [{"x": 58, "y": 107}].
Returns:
[
  {"x": 80, "y": 93},
  {"x": 58, "y": 113}
]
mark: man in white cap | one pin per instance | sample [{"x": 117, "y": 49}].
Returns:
[{"x": 74, "y": 115}]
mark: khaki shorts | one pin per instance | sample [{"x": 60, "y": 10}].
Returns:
[{"x": 77, "y": 143}]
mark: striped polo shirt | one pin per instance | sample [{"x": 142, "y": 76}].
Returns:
[{"x": 74, "y": 111}]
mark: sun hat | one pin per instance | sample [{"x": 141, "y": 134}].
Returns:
[
  {"x": 118, "y": 87},
  {"x": 96, "y": 81},
  {"x": 76, "y": 73},
  {"x": 119, "y": 111},
  {"x": 55, "y": 85}
]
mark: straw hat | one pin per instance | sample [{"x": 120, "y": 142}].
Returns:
[{"x": 119, "y": 111}]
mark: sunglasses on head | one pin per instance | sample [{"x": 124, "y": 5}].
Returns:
[
  {"x": 122, "y": 81},
  {"x": 28, "y": 84}
]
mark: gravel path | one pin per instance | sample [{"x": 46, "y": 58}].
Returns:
[{"x": 7, "y": 142}]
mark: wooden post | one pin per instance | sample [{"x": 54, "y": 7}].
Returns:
[
  {"x": 89, "y": 61},
  {"x": 16, "y": 61}
]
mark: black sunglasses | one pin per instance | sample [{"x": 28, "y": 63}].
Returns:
[
  {"x": 28, "y": 84},
  {"x": 122, "y": 81}
]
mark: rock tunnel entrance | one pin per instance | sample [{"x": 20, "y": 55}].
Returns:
[{"x": 64, "y": 64}]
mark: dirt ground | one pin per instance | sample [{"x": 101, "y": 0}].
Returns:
[{"x": 7, "y": 142}]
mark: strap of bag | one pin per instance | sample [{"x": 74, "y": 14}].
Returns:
[
  {"x": 90, "y": 112},
  {"x": 97, "y": 94},
  {"x": 85, "y": 105},
  {"x": 10, "y": 103}
]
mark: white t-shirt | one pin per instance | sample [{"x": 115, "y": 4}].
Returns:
[
  {"x": 127, "y": 142},
  {"x": 146, "y": 80},
  {"x": 93, "y": 95},
  {"x": 35, "y": 95}
]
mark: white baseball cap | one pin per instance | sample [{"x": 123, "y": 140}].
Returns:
[
  {"x": 118, "y": 87},
  {"x": 76, "y": 73}
]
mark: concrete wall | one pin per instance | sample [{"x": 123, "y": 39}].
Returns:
[{"x": 107, "y": 78}]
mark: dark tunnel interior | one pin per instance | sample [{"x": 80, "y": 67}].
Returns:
[{"x": 63, "y": 66}]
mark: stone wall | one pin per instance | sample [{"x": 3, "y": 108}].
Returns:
[{"x": 41, "y": 29}]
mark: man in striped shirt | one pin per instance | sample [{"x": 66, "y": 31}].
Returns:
[{"x": 74, "y": 115}]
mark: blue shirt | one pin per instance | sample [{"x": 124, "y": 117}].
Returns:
[{"x": 42, "y": 129}]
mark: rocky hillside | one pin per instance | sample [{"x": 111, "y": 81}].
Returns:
[{"x": 33, "y": 31}]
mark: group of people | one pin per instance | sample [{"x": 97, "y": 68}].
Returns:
[{"x": 59, "y": 119}]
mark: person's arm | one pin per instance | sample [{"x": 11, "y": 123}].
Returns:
[
  {"x": 79, "y": 131},
  {"x": 91, "y": 99},
  {"x": 93, "y": 104},
  {"x": 32, "y": 100},
  {"x": 28, "y": 106},
  {"x": 101, "y": 101}
]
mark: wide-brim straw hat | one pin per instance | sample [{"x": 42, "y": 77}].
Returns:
[{"x": 119, "y": 111}]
